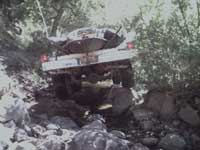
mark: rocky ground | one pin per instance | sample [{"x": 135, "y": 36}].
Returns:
[{"x": 32, "y": 118}]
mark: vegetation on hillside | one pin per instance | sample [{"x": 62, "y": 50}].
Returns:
[{"x": 168, "y": 43}]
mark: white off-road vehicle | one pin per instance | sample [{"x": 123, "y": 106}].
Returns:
[{"x": 89, "y": 54}]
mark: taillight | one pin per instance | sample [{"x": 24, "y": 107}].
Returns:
[
  {"x": 44, "y": 58},
  {"x": 130, "y": 45}
]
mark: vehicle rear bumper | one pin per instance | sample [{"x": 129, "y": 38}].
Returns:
[{"x": 81, "y": 60}]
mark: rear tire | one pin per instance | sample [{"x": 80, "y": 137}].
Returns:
[
  {"x": 116, "y": 76},
  {"x": 60, "y": 87},
  {"x": 93, "y": 78},
  {"x": 127, "y": 76},
  {"x": 65, "y": 85}
]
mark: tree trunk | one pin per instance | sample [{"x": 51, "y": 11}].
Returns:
[{"x": 57, "y": 21}]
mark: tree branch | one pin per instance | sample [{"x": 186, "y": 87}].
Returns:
[
  {"x": 57, "y": 19},
  {"x": 180, "y": 27},
  {"x": 198, "y": 13},
  {"x": 181, "y": 8},
  {"x": 72, "y": 7}
]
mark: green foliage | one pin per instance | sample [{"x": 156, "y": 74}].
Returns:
[
  {"x": 169, "y": 49},
  {"x": 60, "y": 15},
  {"x": 169, "y": 44}
]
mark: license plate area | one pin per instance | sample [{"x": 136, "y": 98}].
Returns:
[{"x": 88, "y": 60}]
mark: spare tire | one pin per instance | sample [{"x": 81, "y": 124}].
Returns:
[
  {"x": 113, "y": 39},
  {"x": 84, "y": 45}
]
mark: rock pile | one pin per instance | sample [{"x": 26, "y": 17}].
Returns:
[
  {"x": 158, "y": 124},
  {"x": 95, "y": 137},
  {"x": 18, "y": 131}
]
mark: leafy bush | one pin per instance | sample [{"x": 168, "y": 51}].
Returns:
[{"x": 169, "y": 48}]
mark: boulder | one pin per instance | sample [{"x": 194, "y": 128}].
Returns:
[
  {"x": 94, "y": 117},
  {"x": 7, "y": 133},
  {"x": 96, "y": 138},
  {"x": 144, "y": 117},
  {"x": 143, "y": 114},
  {"x": 150, "y": 141},
  {"x": 67, "y": 135},
  {"x": 122, "y": 100},
  {"x": 3, "y": 145},
  {"x": 189, "y": 115},
  {"x": 162, "y": 103},
  {"x": 118, "y": 134},
  {"x": 147, "y": 125},
  {"x": 20, "y": 135},
  {"x": 195, "y": 138},
  {"x": 48, "y": 133},
  {"x": 10, "y": 124},
  {"x": 22, "y": 146},
  {"x": 28, "y": 130},
  {"x": 172, "y": 142},
  {"x": 197, "y": 103},
  {"x": 60, "y": 141},
  {"x": 13, "y": 108},
  {"x": 51, "y": 142},
  {"x": 64, "y": 122},
  {"x": 52, "y": 126},
  {"x": 195, "y": 141},
  {"x": 67, "y": 108},
  {"x": 139, "y": 146},
  {"x": 97, "y": 124},
  {"x": 37, "y": 130}
]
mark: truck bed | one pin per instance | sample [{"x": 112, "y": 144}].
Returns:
[{"x": 85, "y": 59}]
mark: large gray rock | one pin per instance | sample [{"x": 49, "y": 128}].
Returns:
[
  {"x": 150, "y": 141},
  {"x": 52, "y": 142},
  {"x": 122, "y": 100},
  {"x": 23, "y": 146},
  {"x": 6, "y": 134},
  {"x": 118, "y": 134},
  {"x": 13, "y": 109},
  {"x": 3, "y": 145},
  {"x": 197, "y": 102},
  {"x": 142, "y": 114},
  {"x": 172, "y": 142},
  {"x": 67, "y": 135},
  {"x": 189, "y": 115},
  {"x": 162, "y": 103},
  {"x": 49, "y": 133},
  {"x": 37, "y": 130},
  {"x": 147, "y": 125},
  {"x": 10, "y": 124},
  {"x": 97, "y": 124},
  {"x": 94, "y": 117},
  {"x": 92, "y": 138},
  {"x": 64, "y": 122},
  {"x": 20, "y": 135},
  {"x": 97, "y": 140},
  {"x": 139, "y": 146},
  {"x": 52, "y": 126},
  {"x": 145, "y": 118}
]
